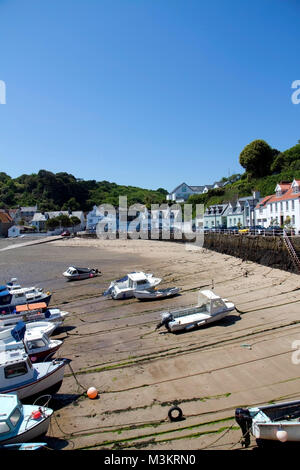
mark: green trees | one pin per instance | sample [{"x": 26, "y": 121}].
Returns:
[
  {"x": 257, "y": 158},
  {"x": 62, "y": 191}
]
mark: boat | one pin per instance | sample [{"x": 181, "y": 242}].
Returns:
[
  {"x": 24, "y": 446},
  {"x": 12, "y": 296},
  {"x": 37, "y": 343},
  {"x": 31, "y": 313},
  {"x": 74, "y": 273},
  {"x": 276, "y": 422},
  {"x": 19, "y": 375},
  {"x": 156, "y": 294},
  {"x": 210, "y": 308},
  {"x": 46, "y": 327},
  {"x": 124, "y": 288},
  {"x": 20, "y": 424}
]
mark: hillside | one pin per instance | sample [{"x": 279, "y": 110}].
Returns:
[
  {"x": 280, "y": 166},
  {"x": 62, "y": 191}
]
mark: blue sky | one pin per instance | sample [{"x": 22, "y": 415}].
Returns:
[{"x": 147, "y": 93}]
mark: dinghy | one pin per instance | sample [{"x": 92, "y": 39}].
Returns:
[
  {"x": 124, "y": 288},
  {"x": 276, "y": 422},
  {"x": 210, "y": 308},
  {"x": 156, "y": 294},
  {"x": 20, "y": 424},
  {"x": 74, "y": 273}
]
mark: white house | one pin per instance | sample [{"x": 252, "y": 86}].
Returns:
[
  {"x": 40, "y": 218},
  {"x": 281, "y": 208},
  {"x": 182, "y": 192},
  {"x": 93, "y": 217}
]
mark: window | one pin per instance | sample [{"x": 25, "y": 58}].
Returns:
[
  {"x": 281, "y": 206},
  {"x": 271, "y": 207},
  {"x": 293, "y": 204},
  {"x": 293, "y": 219},
  {"x": 287, "y": 205},
  {"x": 276, "y": 207},
  {"x": 15, "y": 370},
  {"x": 5, "y": 299},
  {"x": 15, "y": 416},
  {"x": 4, "y": 427},
  {"x": 35, "y": 344}
]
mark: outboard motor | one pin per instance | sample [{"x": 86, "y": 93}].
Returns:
[
  {"x": 244, "y": 420},
  {"x": 166, "y": 319}
]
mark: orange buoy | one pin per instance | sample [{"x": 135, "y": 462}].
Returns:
[{"x": 92, "y": 392}]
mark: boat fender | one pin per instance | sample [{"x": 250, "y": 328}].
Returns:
[
  {"x": 36, "y": 414},
  {"x": 175, "y": 413}
]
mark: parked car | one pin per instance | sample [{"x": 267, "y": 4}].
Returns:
[
  {"x": 274, "y": 230},
  {"x": 66, "y": 233},
  {"x": 234, "y": 229},
  {"x": 256, "y": 229}
]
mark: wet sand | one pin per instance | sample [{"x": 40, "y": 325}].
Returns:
[{"x": 140, "y": 372}]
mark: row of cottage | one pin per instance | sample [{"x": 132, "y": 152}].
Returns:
[{"x": 279, "y": 209}]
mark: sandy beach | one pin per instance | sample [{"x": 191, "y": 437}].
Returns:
[{"x": 140, "y": 372}]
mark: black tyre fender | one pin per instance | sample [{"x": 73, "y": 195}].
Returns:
[{"x": 175, "y": 413}]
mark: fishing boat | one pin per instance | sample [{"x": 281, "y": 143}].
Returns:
[
  {"x": 20, "y": 424},
  {"x": 124, "y": 288},
  {"x": 156, "y": 294},
  {"x": 37, "y": 343},
  {"x": 19, "y": 375},
  {"x": 12, "y": 296},
  {"x": 210, "y": 308},
  {"x": 74, "y": 273},
  {"x": 276, "y": 422},
  {"x": 31, "y": 313}
]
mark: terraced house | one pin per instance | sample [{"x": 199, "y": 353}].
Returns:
[{"x": 281, "y": 208}]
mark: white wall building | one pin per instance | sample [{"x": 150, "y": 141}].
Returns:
[
  {"x": 182, "y": 192},
  {"x": 282, "y": 207}
]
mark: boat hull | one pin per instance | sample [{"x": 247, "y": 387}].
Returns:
[
  {"x": 40, "y": 429},
  {"x": 196, "y": 323},
  {"x": 10, "y": 308},
  {"x": 268, "y": 431},
  {"x": 49, "y": 383},
  {"x": 156, "y": 295}
]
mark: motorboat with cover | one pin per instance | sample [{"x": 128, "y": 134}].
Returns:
[
  {"x": 275, "y": 422},
  {"x": 32, "y": 313},
  {"x": 20, "y": 423},
  {"x": 11, "y": 296},
  {"x": 124, "y": 288},
  {"x": 19, "y": 375},
  {"x": 74, "y": 273},
  {"x": 37, "y": 343},
  {"x": 156, "y": 294},
  {"x": 210, "y": 308}
]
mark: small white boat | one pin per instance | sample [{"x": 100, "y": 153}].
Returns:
[
  {"x": 22, "y": 423},
  {"x": 19, "y": 375},
  {"x": 156, "y": 294},
  {"x": 31, "y": 313},
  {"x": 276, "y": 422},
  {"x": 210, "y": 308},
  {"x": 37, "y": 343},
  {"x": 124, "y": 288},
  {"x": 74, "y": 273}
]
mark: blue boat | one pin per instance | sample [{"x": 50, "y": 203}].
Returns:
[{"x": 22, "y": 423}]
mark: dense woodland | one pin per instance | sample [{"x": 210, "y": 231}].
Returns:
[
  {"x": 264, "y": 168},
  {"x": 62, "y": 191}
]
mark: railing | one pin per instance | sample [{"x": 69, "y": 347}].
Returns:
[
  {"x": 291, "y": 250},
  {"x": 249, "y": 232}
]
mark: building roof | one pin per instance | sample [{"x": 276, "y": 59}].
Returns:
[
  {"x": 288, "y": 194},
  {"x": 5, "y": 218}
]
